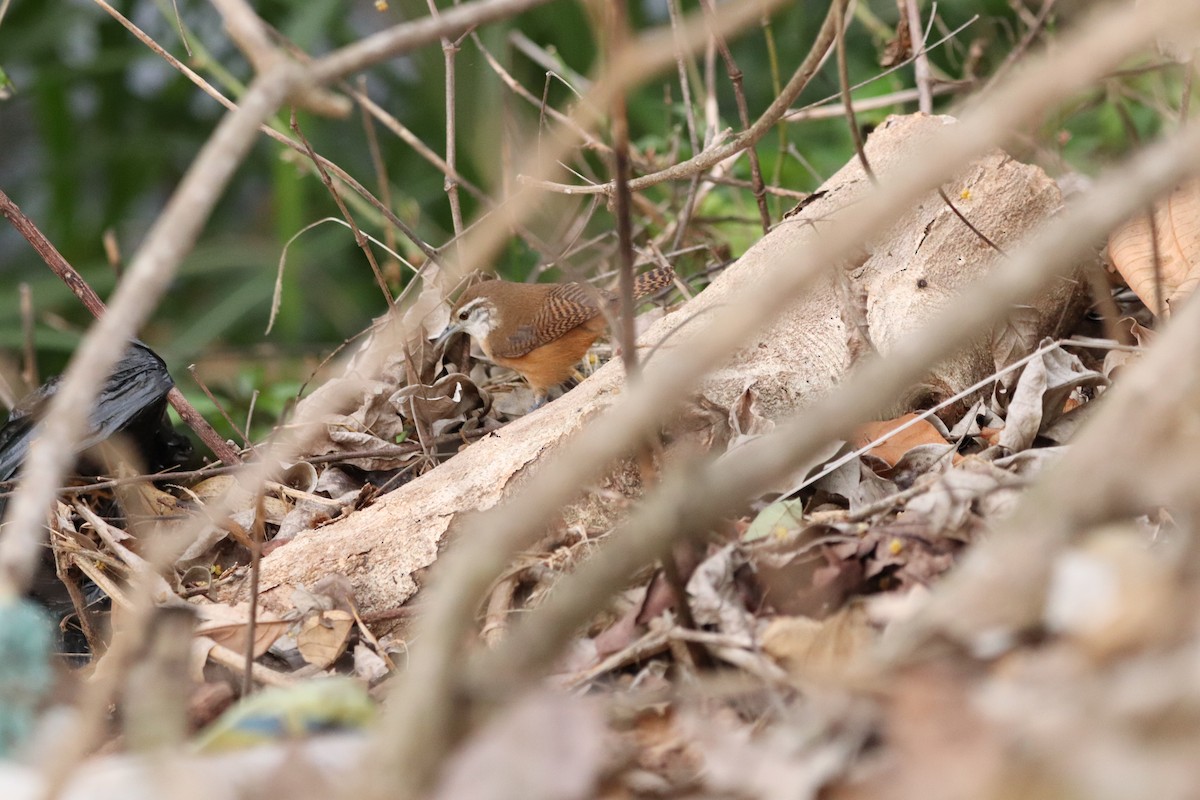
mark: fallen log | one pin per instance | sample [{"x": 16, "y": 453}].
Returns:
[{"x": 898, "y": 281}]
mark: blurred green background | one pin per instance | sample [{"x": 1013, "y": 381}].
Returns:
[{"x": 98, "y": 131}]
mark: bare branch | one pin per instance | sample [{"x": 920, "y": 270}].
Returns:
[
  {"x": 92, "y": 302},
  {"x": 713, "y": 156}
]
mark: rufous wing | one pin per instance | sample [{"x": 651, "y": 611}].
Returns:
[{"x": 566, "y": 306}]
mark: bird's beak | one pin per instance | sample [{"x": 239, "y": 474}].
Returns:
[{"x": 451, "y": 329}]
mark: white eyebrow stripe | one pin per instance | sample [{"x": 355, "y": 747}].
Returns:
[{"x": 473, "y": 304}]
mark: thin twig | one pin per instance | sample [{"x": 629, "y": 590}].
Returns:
[
  {"x": 384, "y": 187},
  {"x": 258, "y": 535},
  {"x": 962, "y": 217},
  {"x": 359, "y": 238},
  {"x": 449, "y": 51},
  {"x": 768, "y": 33},
  {"x": 836, "y": 97},
  {"x": 847, "y": 104},
  {"x": 685, "y": 89},
  {"x": 617, "y": 30},
  {"x": 63, "y": 561},
  {"x": 896, "y": 98},
  {"x": 233, "y": 660},
  {"x": 217, "y": 404},
  {"x": 921, "y": 72},
  {"x": 29, "y": 368},
  {"x": 1160, "y": 306},
  {"x": 91, "y": 301},
  {"x": 736, "y": 78},
  {"x": 715, "y": 155}
]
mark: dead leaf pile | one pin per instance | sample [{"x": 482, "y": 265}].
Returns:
[{"x": 745, "y": 665}]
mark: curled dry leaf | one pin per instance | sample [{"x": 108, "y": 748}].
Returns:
[
  {"x": 368, "y": 665},
  {"x": 1115, "y": 360},
  {"x": 891, "y": 451},
  {"x": 429, "y": 313},
  {"x": 1176, "y": 228},
  {"x": 746, "y": 419},
  {"x": 1025, "y": 409},
  {"x": 214, "y": 489},
  {"x": 301, "y": 476},
  {"x": 1012, "y": 340},
  {"x": 1044, "y": 396},
  {"x": 227, "y": 625},
  {"x": 323, "y": 637},
  {"x": 714, "y": 596},
  {"x": 442, "y": 404},
  {"x": 857, "y": 483}
]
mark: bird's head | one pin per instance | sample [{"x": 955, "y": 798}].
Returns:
[{"x": 475, "y": 313}]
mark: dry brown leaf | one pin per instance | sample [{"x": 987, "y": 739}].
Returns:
[
  {"x": 1012, "y": 340},
  {"x": 239, "y": 499},
  {"x": 226, "y": 625},
  {"x": 714, "y": 596},
  {"x": 1024, "y": 418},
  {"x": 323, "y": 637},
  {"x": 815, "y": 580},
  {"x": 946, "y": 508},
  {"x": 1176, "y": 227},
  {"x": 891, "y": 451},
  {"x": 1115, "y": 360},
  {"x": 821, "y": 649},
  {"x": 1043, "y": 395}
]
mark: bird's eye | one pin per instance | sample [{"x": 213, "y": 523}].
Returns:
[{"x": 464, "y": 314}]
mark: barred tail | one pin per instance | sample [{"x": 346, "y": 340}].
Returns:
[{"x": 651, "y": 281}]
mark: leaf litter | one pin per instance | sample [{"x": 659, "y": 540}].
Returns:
[{"x": 770, "y": 690}]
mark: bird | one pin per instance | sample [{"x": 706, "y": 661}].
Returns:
[{"x": 541, "y": 330}]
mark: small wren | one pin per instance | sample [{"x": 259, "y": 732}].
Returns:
[{"x": 541, "y": 330}]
